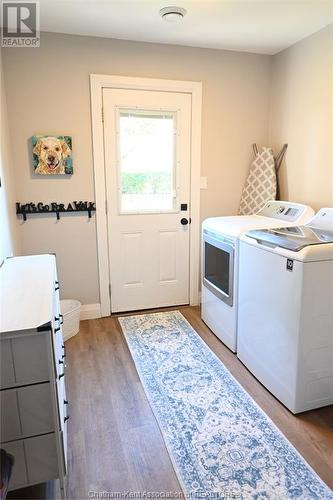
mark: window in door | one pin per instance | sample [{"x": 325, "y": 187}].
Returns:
[{"x": 147, "y": 161}]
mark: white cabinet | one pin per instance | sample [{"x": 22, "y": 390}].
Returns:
[{"x": 34, "y": 409}]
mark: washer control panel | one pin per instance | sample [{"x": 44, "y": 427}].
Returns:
[{"x": 323, "y": 218}]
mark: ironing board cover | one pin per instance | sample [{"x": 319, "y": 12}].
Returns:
[{"x": 260, "y": 185}]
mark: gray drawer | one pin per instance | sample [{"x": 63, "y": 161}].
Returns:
[
  {"x": 7, "y": 372},
  {"x": 19, "y": 473},
  {"x": 24, "y": 360},
  {"x": 26, "y": 411},
  {"x": 42, "y": 461},
  {"x": 35, "y": 460},
  {"x": 10, "y": 418}
]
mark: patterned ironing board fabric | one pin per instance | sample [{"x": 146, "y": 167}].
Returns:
[{"x": 260, "y": 185}]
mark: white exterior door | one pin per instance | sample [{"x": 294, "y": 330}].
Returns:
[{"x": 147, "y": 142}]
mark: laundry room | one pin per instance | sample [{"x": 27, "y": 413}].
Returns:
[{"x": 166, "y": 249}]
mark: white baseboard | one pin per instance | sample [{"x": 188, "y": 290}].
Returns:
[{"x": 90, "y": 311}]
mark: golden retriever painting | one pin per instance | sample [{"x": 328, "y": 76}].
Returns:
[{"x": 52, "y": 155}]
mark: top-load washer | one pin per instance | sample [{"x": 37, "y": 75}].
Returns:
[
  {"x": 285, "y": 324},
  {"x": 220, "y": 253}
]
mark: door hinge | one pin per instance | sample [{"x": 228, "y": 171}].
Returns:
[
  {"x": 102, "y": 115},
  {"x": 106, "y": 206}
]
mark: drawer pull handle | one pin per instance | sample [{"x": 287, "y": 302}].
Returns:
[
  {"x": 66, "y": 418},
  {"x": 60, "y": 318},
  {"x": 65, "y": 402},
  {"x": 63, "y": 346},
  {"x": 57, "y": 329},
  {"x": 63, "y": 356},
  {"x": 61, "y": 362},
  {"x": 61, "y": 375}
]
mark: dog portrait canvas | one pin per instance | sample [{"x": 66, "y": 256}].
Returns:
[{"x": 52, "y": 155}]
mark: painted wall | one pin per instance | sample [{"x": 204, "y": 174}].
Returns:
[
  {"x": 302, "y": 116},
  {"x": 48, "y": 92},
  {"x": 9, "y": 237}
]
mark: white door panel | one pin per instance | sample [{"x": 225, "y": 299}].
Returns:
[
  {"x": 147, "y": 157},
  {"x": 168, "y": 256}
]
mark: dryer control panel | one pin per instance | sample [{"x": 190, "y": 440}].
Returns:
[{"x": 283, "y": 210}]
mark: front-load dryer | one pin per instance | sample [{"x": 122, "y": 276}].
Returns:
[
  {"x": 220, "y": 254},
  {"x": 285, "y": 326}
]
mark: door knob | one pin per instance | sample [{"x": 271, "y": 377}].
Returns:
[{"x": 184, "y": 221}]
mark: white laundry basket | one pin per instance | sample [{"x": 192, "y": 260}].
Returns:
[{"x": 70, "y": 309}]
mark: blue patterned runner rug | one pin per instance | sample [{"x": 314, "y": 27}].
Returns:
[{"x": 221, "y": 443}]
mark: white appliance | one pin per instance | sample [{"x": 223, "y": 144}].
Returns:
[
  {"x": 285, "y": 326},
  {"x": 220, "y": 250}
]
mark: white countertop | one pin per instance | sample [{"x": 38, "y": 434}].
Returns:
[{"x": 26, "y": 292}]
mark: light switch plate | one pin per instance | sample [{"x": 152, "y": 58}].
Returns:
[{"x": 203, "y": 182}]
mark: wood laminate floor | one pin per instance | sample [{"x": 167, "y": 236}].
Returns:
[{"x": 114, "y": 442}]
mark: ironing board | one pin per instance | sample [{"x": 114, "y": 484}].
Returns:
[{"x": 261, "y": 183}]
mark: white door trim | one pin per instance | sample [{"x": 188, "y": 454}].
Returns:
[{"x": 97, "y": 83}]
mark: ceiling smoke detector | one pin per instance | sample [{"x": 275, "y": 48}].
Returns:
[{"x": 172, "y": 14}]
